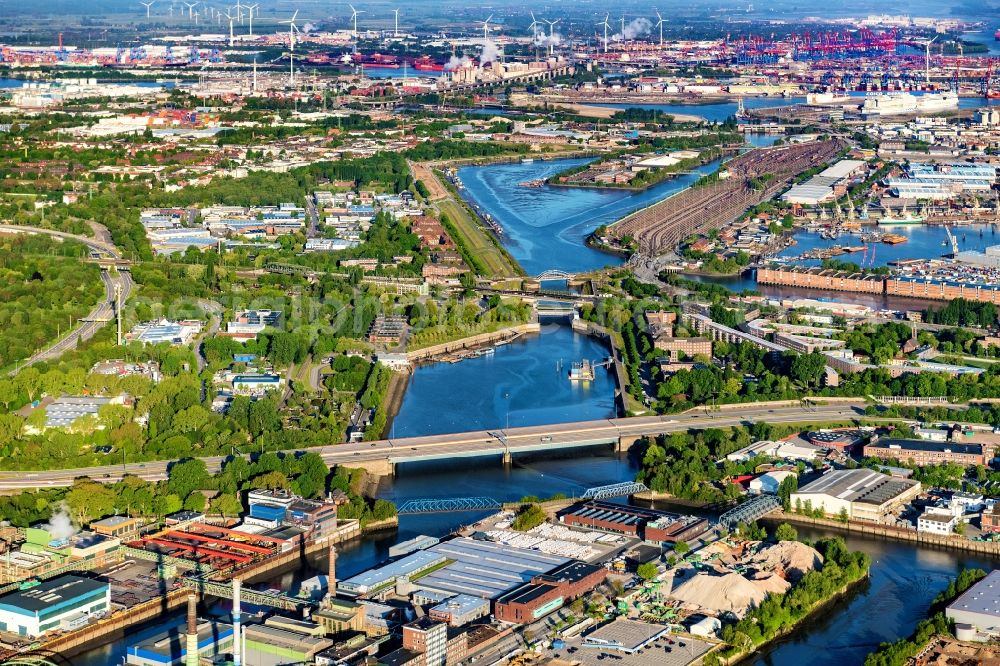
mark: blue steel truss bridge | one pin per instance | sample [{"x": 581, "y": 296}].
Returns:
[{"x": 414, "y": 506}]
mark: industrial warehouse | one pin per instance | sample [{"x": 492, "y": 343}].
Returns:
[
  {"x": 862, "y": 493},
  {"x": 647, "y": 524},
  {"x": 64, "y": 602}
]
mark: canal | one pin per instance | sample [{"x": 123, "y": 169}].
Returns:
[
  {"x": 546, "y": 227},
  {"x": 904, "y": 579},
  {"x": 522, "y": 383}
]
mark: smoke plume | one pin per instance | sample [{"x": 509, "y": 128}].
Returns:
[
  {"x": 490, "y": 52},
  {"x": 456, "y": 63},
  {"x": 60, "y": 526},
  {"x": 545, "y": 41},
  {"x": 639, "y": 27}
]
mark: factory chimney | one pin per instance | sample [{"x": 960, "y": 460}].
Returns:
[
  {"x": 237, "y": 613},
  {"x": 331, "y": 576},
  {"x": 191, "y": 656}
]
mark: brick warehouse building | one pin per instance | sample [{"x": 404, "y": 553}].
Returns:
[
  {"x": 924, "y": 452},
  {"x": 548, "y": 592},
  {"x": 648, "y": 524}
]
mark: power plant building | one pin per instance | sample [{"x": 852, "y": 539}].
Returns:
[{"x": 169, "y": 647}]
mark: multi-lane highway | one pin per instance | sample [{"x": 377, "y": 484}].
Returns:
[
  {"x": 103, "y": 312},
  {"x": 479, "y": 443}
]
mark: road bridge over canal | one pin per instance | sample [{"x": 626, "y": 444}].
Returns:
[{"x": 381, "y": 457}]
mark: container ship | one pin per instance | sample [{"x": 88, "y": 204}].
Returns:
[
  {"x": 377, "y": 61},
  {"x": 902, "y": 103},
  {"x": 426, "y": 64}
]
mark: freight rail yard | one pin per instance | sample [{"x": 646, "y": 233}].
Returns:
[{"x": 741, "y": 183}]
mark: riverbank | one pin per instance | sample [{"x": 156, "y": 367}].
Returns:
[
  {"x": 393, "y": 399},
  {"x": 813, "y": 612},
  {"x": 988, "y": 548},
  {"x": 505, "y": 334},
  {"x": 624, "y": 402},
  {"x": 480, "y": 245},
  {"x": 594, "y": 242}
]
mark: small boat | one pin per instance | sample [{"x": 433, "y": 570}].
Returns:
[{"x": 581, "y": 372}]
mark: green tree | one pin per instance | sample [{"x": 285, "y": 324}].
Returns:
[
  {"x": 647, "y": 571},
  {"x": 785, "y": 532},
  {"x": 270, "y": 481},
  {"x": 164, "y": 505},
  {"x": 227, "y": 505},
  {"x": 88, "y": 500},
  {"x": 195, "y": 502},
  {"x": 187, "y": 476}
]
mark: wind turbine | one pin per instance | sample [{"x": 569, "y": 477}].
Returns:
[
  {"x": 191, "y": 6},
  {"x": 606, "y": 27},
  {"x": 395, "y": 30},
  {"x": 147, "y": 5},
  {"x": 659, "y": 24},
  {"x": 251, "y": 9},
  {"x": 354, "y": 17},
  {"x": 533, "y": 27},
  {"x": 486, "y": 29},
  {"x": 551, "y": 33},
  {"x": 231, "y": 19},
  {"x": 292, "y": 29}
]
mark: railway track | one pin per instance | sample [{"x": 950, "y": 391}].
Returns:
[{"x": 660, "y": 227}]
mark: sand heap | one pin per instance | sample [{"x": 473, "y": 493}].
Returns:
[
  {"x": 772, "y": 570},
  {"x": 723, "y": 593},
  {"x": 789, "y": 559}
]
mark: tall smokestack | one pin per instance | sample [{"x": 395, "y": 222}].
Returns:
[
  {"x": 331, "y": 576},
  {"x": 191, "y": 656},
  {"x": 237, "y": 613}
]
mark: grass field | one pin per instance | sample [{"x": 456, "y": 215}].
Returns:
[{"x": 494, "y": 261}]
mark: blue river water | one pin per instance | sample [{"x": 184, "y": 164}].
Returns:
[
  {"x": 409, "y": 73},
  {"x": 524, "y": 383},
  {"x": 924, "y": 242},
  {"x": 715, "y": 111},
  {"x": 719, "y": 111},
  {"x": 545, "y": 227},
  {"x": 904, "y": 580}
]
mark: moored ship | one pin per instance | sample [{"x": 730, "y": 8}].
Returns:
[{"x": 889, "y": 104}]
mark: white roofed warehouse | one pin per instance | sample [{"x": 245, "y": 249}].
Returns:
[
  {"x": 976, "y": 613},
  {"x": 865, "y": 494}
]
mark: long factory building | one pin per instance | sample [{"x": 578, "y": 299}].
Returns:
[
  {"x": 521, "y": 584},
  {"x": 860, "y": 283}
]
